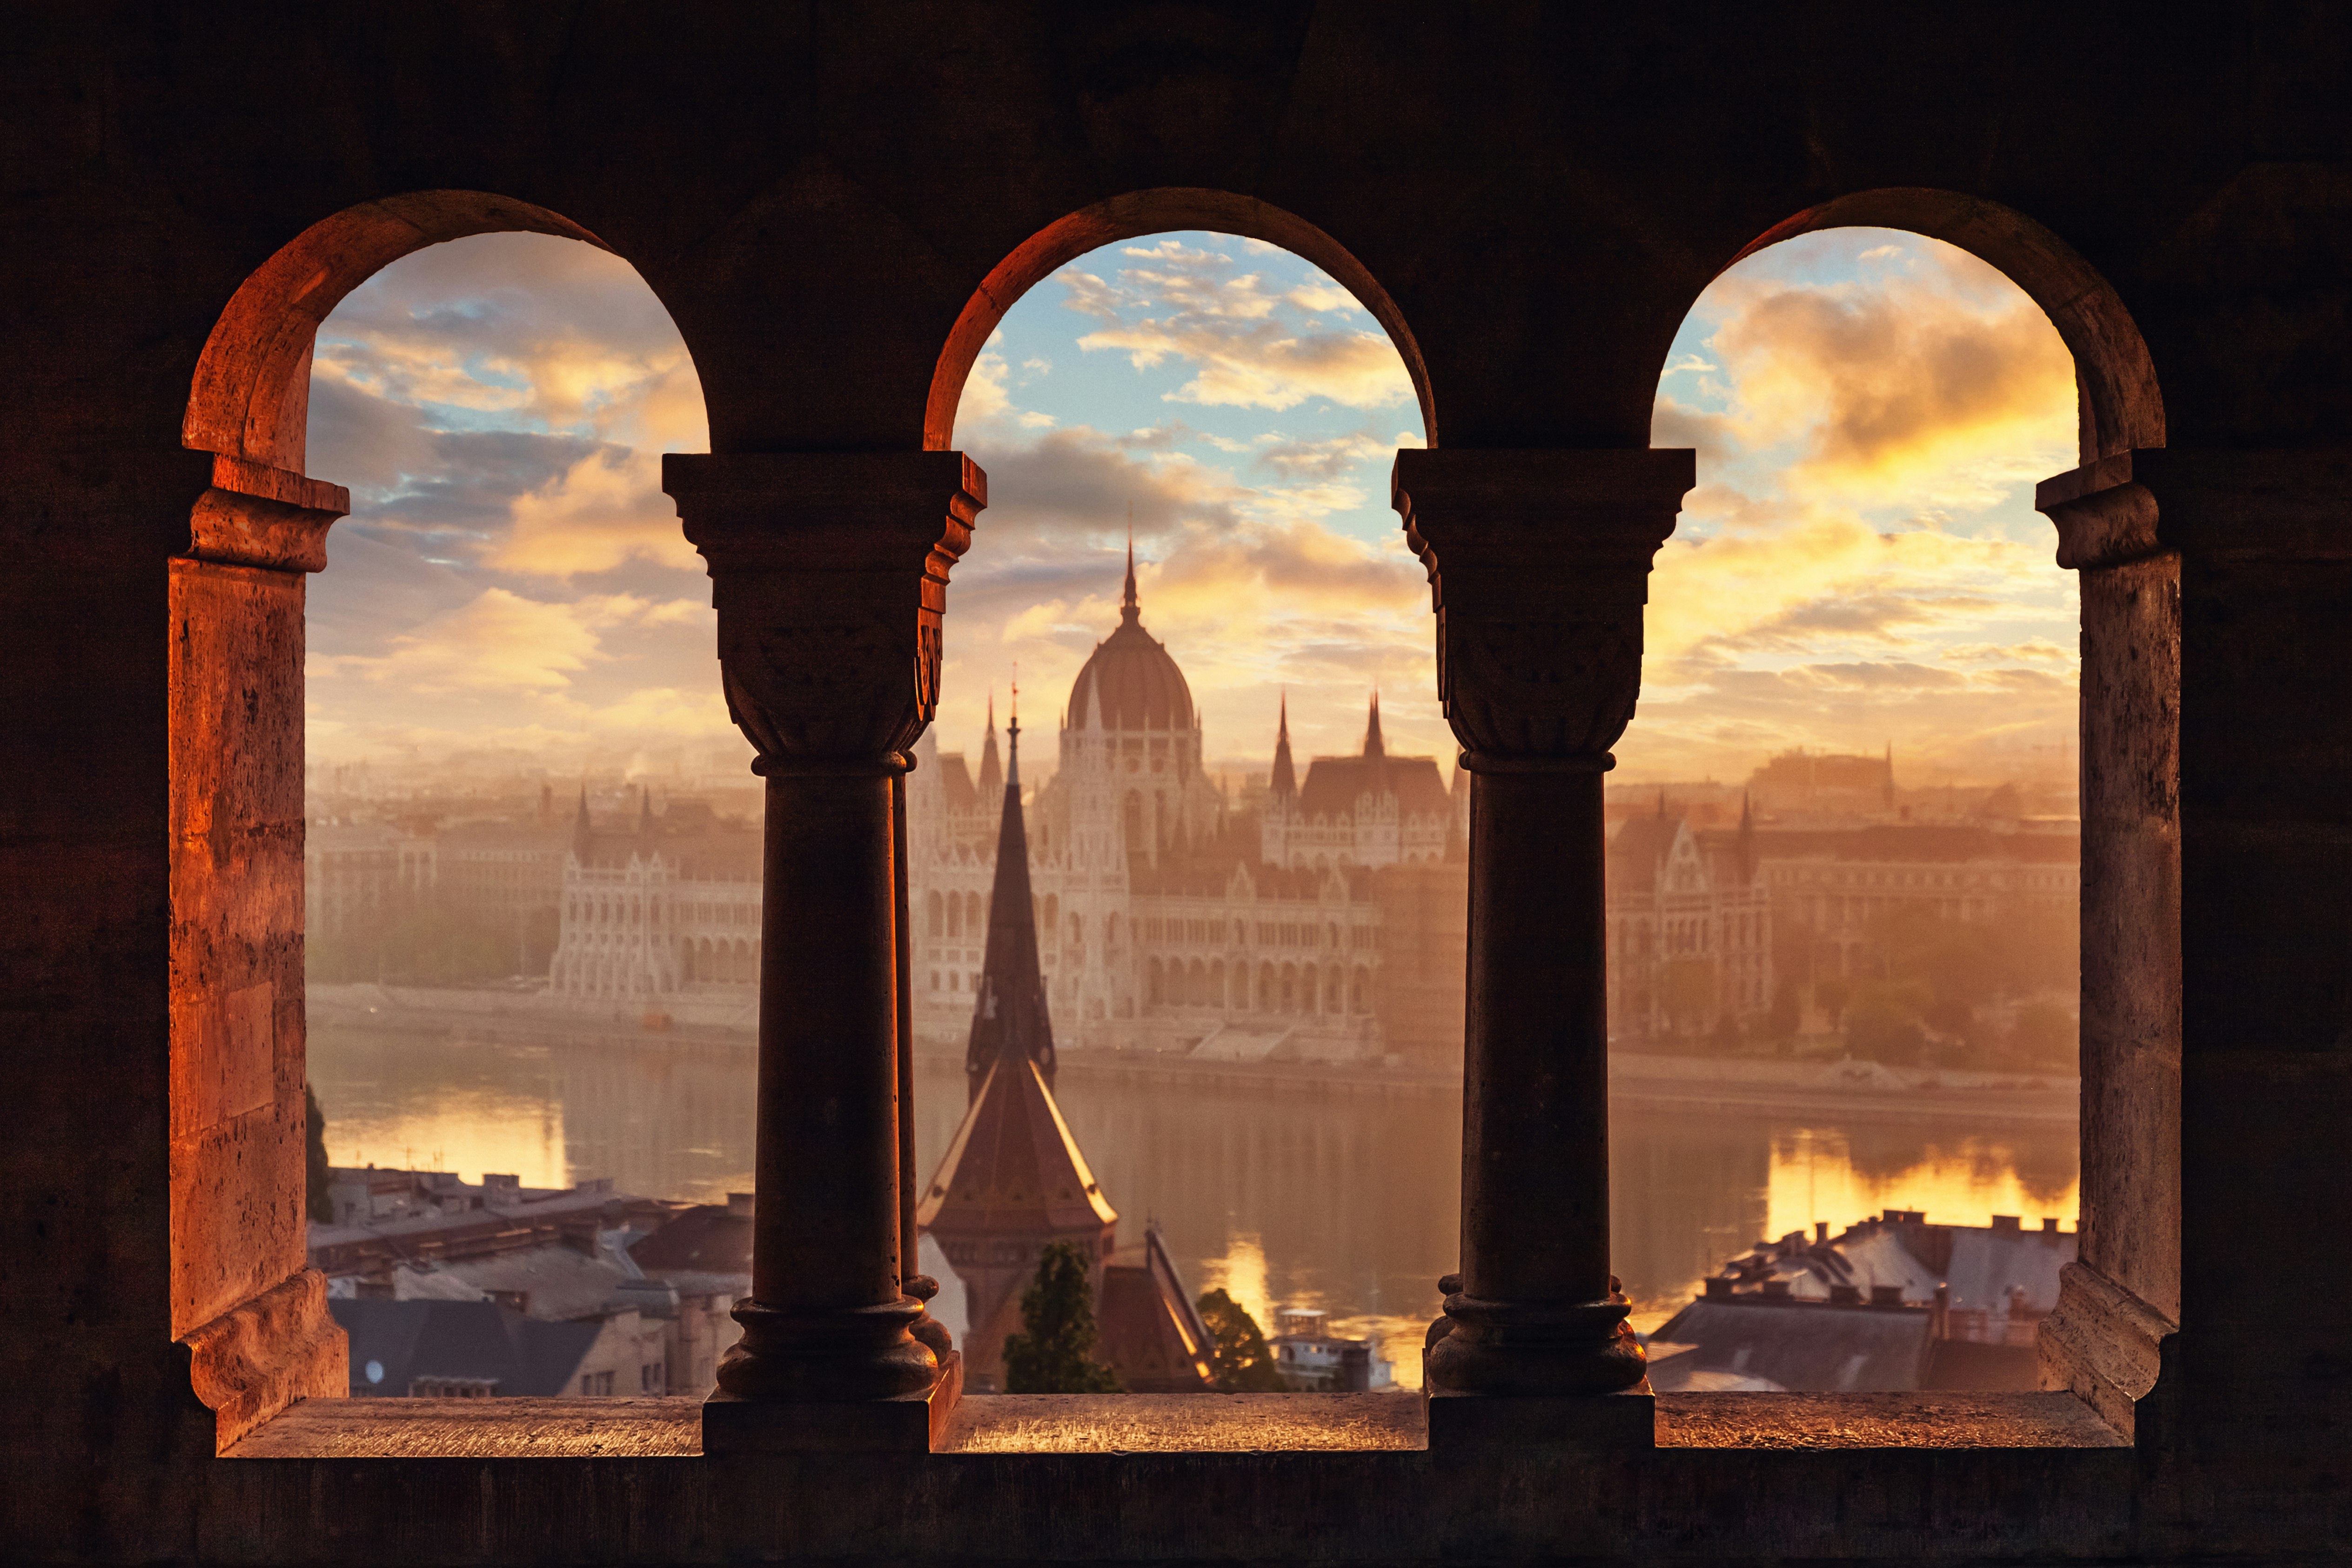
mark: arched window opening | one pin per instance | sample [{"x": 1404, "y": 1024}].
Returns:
[
  {"x": 1862, "y": 574},
  {"x": 498, "y": 759}
]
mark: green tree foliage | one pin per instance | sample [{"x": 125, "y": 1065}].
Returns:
[
  {"x": 316, "y": 1172},
  {"x": 1937, "y": 985},
  {"x": 1243, "y": 1360},
  {"x": 2044, "y": 1039},
  {"x": 1054, "y": 1352},
  {"x": 1883, "y": 1023}
]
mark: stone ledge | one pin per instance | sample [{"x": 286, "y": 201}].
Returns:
[
  {"x": 1810, "y": 1421},
  {"x": 1042, "y": 1424}
]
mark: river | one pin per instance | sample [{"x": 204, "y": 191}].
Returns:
[{"x": 1346, "y": 1202}]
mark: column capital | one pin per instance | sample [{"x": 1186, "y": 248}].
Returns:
[
  {"x": 2284, "y": 504},
  {"x": 256, "y": 515},
  {"x": 1538, "y": 565},
  {"x": 829, "y": 572}
]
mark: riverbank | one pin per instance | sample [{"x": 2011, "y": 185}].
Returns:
[{"x": 1637, "y": 1081}]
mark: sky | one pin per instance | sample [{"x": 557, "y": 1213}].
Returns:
[{"x": 1859, "y": 565}]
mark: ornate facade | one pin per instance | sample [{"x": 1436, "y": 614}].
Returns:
[
  {"x": 663, "y": 921},
  {"x": 1690, "y": 928},
  {"x": 1169, "y": 919}
]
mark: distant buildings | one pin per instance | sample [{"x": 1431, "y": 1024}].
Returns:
[
  {"x": 1328, "y": 925},
  {"x": 1893, "y": 1304},
  {"x": 1690, "y": 928},
  {"x": 450, "y": 1289}
]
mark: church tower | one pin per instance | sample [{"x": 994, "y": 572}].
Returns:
[
  {"x": 1009, "y": 1015},
  {"x": 1014, "y": 1178}
]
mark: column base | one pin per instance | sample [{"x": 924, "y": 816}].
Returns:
[
  {"x": 906, "y": 1424},
  {"x": 1623, "y": 1422}
]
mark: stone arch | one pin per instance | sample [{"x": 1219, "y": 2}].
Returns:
[
  {"x": 1155, "y": 993},
  {"x": 1130, "y": 216},
  {"x": 1268, "y": 994},
  {"x": 955, "y": 919},
  {"x": 251, "y": 394},
  {"x": 935, "y": 914},
  {"x": 1216, "y": 996},
  {"x": 975, "y": 916},
  {"x": 2121, "y": 405}
]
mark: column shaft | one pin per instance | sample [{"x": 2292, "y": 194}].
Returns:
[{"x": 1535, "y": 1122}]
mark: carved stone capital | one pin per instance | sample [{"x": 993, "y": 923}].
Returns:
[
  {"x": 829, "y": 572},
  {"x": 2247, "y": 505},
  {"x": 255, "y": 515},
  {"x": 1538, "y": 566}
]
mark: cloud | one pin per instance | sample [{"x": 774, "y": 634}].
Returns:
[
  {"x": 1189, "y": 305},
  {"x": 1917, "y": 387},
  {"x": 605, "y": 511},
  {"x": 499, "y": 641}
]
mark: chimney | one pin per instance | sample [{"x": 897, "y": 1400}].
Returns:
[
  {"x": 1940, "y": 1321},
  {"x": 1718, "y": 1288},
  {"x": 1776, "y": 1288},
  {"x": 738, "y": 1206},
  {"x": 2049, "y": 1231},
  {"x": 2006, "y": 1225},
  {"x": 1887, "y": 1295},
  {"x": 1821, "y": 1232},
  {"x": 1845, "y": 1295}
]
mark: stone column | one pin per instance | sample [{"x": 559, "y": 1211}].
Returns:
[
  {"x": 2217, "y": 1060},
  {"x": 829, "y": 573},
  {"x": 1539, "y": 565}
]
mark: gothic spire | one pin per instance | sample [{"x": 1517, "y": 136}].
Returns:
[
  {"x": 584, "y": 841},
  {"x": 991, "y": 775},
  {"x": 1373, "y": 746},
  {"x": 1130, "y": 612},
  {"x": 1285, "y": 781},
  {"x": 645, "y": 811},
  {"x": 1009, "y": 1020}
]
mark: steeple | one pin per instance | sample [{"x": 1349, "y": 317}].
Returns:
[
  {"x": 1130, "y": 612},
  {"x": 584, "y": 840},
  {"x": 645, "y": 811},
  {"x": 1372, "y": 745},
  {"x": 1746, "y": 839},
  {"x": 991, "y": 775},
  {"x": 1286, "y": 781},
  {"x": 1009, "y": 1020}
]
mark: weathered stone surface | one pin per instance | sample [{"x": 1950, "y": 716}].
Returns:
[{"x": 836, "y": 203}]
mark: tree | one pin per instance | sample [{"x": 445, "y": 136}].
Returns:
[
  {"x": 317, "y": 1174},
  {"x": 1831, "y": 994},
  {"x": 1243, "y": 1360},
  {"x": 1054, "y": 1352}
]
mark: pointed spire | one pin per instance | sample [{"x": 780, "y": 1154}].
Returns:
[
  {"x": 1373, "y": 746},
  {"x": 584, "y": 840},
  {"x": 992, "y": 773},
  {"x": 1285, "y": 781},
  {"x": 1746, "y": 838},
  {"x": 1012, "y": 739},
  {"x": 1130, "y": 612},
  {"x": 1009, "y": 1020},
  {"x": 645, "y": 811}
]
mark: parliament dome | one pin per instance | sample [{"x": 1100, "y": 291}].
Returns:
[{"x": 1133, "y": 675}]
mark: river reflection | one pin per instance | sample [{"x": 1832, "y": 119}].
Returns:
[{"x": 1346, "y": 1202}]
